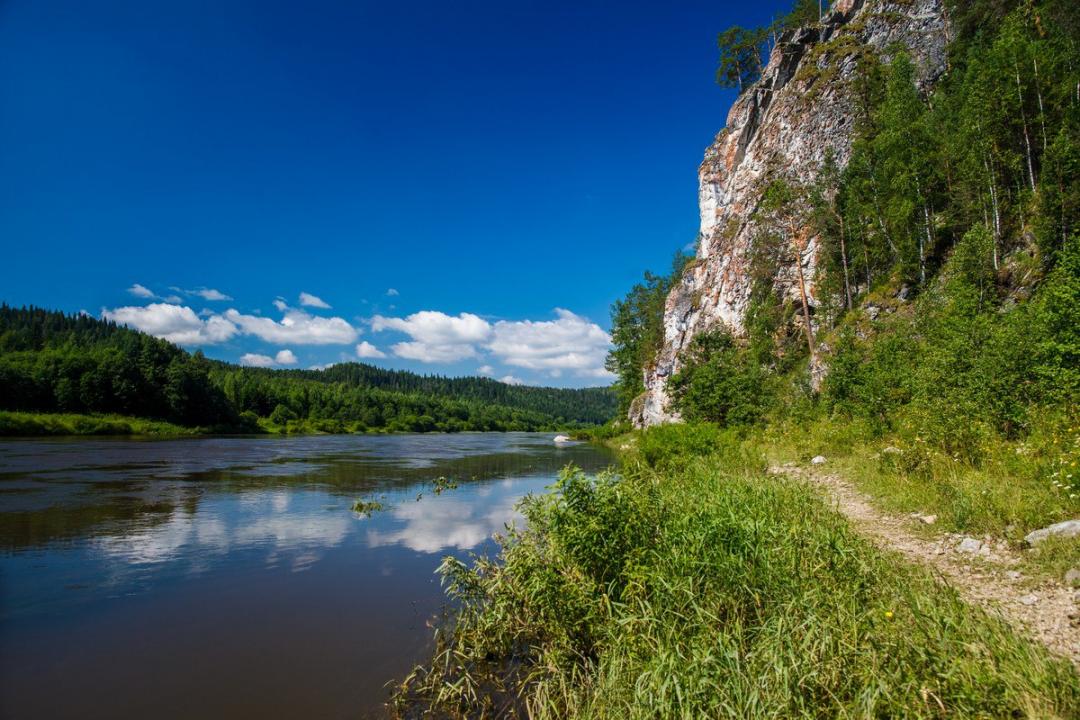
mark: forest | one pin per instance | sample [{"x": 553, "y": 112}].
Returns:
[
  {"x": 52, "y": 362},
  {"x": 949, "y": 290}
]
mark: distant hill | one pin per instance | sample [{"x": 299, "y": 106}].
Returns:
[{"x": 52, "y": 362}]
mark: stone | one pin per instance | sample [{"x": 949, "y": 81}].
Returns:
[
  {"x": 890, "y": 450},
  {"x": 1013, "y": 575},
  {"x": 818, "y": 460},
  {"x": 1029, "y": 599},
  {"x": 969, "y": 545},
  {"x": 1067, "y": 529},
  {"x": 1072, "y": 577},
  {"x": 1076, "y": 596},
  {"x": 928, "y": 519}
]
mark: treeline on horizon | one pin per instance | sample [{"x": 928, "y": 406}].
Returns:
[
  {"x": 949, "y": 273},
  {"x": 52, "y": 362}
]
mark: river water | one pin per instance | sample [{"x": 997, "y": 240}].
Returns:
[{"x": 229, "y": 577}]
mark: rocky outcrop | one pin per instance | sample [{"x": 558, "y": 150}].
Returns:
[{"x": 801, "y": 109}]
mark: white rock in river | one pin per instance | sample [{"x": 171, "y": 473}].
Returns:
[{"x": 562, "y": 438}]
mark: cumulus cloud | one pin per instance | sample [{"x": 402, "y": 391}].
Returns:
[
  {"x": 296, "y": 328},
  {"x": 141, "y": 291},
  {"x": 209, "y": 294},
  {"x": 286, "y": 357},
  {"x": 436, "y": 336},
  {"x": 283, "y": 357},
  {"x": 570, "y": 343},
  {"x": 392, "y": 293},
  {"x": 256, "y": 360},
  {"x": 511, "y": 380},
  {"x": 309, "y": 300},
  {"x": 367, "y": 350},
  {"x": 175, "y": 323}
]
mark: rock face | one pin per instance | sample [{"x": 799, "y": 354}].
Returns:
[{"x": 803, "y": 107}]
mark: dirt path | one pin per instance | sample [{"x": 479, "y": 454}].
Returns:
[{"x": 982, "y": 573}]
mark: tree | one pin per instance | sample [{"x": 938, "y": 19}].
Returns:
[
  {"x": 785, "y": 211},
  {"x": 740, "y": 57}
]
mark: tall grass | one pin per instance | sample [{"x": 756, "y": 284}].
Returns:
[
  {"x": 14, "y": 424},
  {"x": 694, "y": 585}
]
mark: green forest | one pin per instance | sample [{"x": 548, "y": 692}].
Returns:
[
  {"x": 950, "y": 283},
  {"x": 74, "y": 366}
]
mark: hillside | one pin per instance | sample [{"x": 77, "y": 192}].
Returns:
[{"x": 51, "y": 362}]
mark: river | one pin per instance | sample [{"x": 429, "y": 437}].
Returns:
[{"x": 230, "y": 577}]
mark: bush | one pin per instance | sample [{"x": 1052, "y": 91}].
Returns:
[{"x": 720, "y": 382}]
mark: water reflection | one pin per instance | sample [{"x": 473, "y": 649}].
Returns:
[
  {"x": 122, "y": 561},
  {"x": 450, "y": 523}
]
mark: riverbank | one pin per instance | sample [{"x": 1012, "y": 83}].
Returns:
[
  {"x": 24, "y": 424},
  {"x": 699, "y": 584}
]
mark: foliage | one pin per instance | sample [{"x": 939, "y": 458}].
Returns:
[
  {"x": 55, "y": 363},
  {"x": 637, "y": 330},
  {"x": 720, "y": 382},
  {"x": 14, "y": 424},
  {"x": 745, "y": 52},
  {"x": 715, "y": 591}
]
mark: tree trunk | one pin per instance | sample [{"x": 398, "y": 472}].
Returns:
[
  {"x": 1038, "y": 93},
  {"x": 1027, "y": 135},
  {"x": 843, "y": 258},
  {"x": 989, "y": 165},
  {"x": 802, "y": 292},
  {"x": 926, "y": 237}
]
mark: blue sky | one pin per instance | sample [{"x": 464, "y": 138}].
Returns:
[{"x": 457, "y": 188}]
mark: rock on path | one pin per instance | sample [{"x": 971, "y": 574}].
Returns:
[{"x": 983, "y": 577}]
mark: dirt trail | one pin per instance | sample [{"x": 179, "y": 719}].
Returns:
[{"x": 983, "y": 576}]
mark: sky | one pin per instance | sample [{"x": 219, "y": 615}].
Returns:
[{"x": 455, "y": 188}]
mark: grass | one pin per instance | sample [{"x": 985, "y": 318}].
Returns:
[
  {"x": 1016, "y": 487},
  {"x": 14, "y": 424},
  {"x": 696, "y": 585}
]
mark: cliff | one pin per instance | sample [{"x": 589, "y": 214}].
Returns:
[{"x": 802, "y": 109}]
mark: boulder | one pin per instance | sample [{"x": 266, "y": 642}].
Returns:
[
  {"x": 1067, "y": 529},
  {"x": 818, "y": 460}
]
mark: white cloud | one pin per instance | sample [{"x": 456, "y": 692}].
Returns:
[
  {"x": 175, "y": 323},
  {"x": 281, "y": 305},
  {"x": 367, "y": 350},
  {"x": 256, "y": 360},
  {"x": 209, "y": 294},
  {"x": 296, "y": 328},
  {"x": 140, "y": 291},
  {"x": 485, "y": 370},
  {"x": 436, "y": 336},
  {"x": 511, "y": 380},
  {"x": 309, "y": 300},
  {"x": 285, "y": 357},
  {"x": 569, "y": 343},
  {"x": 392, "y": 293}
]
